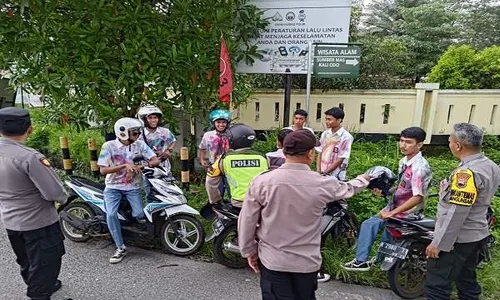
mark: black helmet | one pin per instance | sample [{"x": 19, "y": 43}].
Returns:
[
  {"x": 240, "y": 136},
  {"x": 383, "y": 179}
]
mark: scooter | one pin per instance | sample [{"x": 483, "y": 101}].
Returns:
[
  {"x": 336, "y": 221},
  {"x": 168, "y": 215},
  {"x": 404, "y": 256}
]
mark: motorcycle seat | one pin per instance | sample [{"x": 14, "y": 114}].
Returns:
[
  {"x": 428, "y": 223},
  {"x": 231, "y": 209},
  {"x": 82, "y": 181}
]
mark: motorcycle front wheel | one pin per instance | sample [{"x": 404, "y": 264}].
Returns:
[
  {"x": 185, "y": 237},
  {"x": 407, "y": 277},
  {"x": 226, "y": 257}
]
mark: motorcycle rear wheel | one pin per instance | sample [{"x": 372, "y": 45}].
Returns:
[
  {"x": 407, "y": 277},
  {"x": 81, "y": 211},
  {"x": 225, "y": 257}
]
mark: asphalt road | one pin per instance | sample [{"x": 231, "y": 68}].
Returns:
[{"x": 87, "y": 275}]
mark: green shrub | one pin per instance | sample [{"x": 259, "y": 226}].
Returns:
[
  {"x": 45, "y": 138},
  {"x": 267, "y": 143}
]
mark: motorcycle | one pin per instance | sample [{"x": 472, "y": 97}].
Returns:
[
  {"x": 168, "y": 215},
  {"x": 404, "y": 256},
  {"x": 336, "y": 221},
  {"x": 225, "y": 234},
  {"x": 340, "y": 223}
]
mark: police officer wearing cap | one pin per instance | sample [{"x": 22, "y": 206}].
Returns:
[
  {"x": 461, "y": 228},
  {"x": 28, "y": 189},
  {"x": 287, "y": 204}
]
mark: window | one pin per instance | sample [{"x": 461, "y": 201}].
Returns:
[
  {"x": 450, "y": 112},
  {"x": 362, "y": 114},
  {"x": 257, "y": 111},
  {"x": 276, "y": 111},
  {"x": 493, "y": 114},
  {"x": 318, "y": 112},
  {"x": 471, "y": 114},
  {"x": 387, "y": 109}
]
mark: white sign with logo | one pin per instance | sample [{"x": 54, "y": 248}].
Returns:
[{"x": 292, "y": 25}]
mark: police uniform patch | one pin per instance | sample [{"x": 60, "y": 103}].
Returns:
[
  {"x": 462, "y": 179},
  {"x": 45, "y": 162},
  {"x": 463, "y": 188}
]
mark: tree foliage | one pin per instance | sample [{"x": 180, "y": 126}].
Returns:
[
  {"x": 99, "y": 60},
  {"x": 425, "y": 27},
  {"x": 480, "y": 22},
  {"x": 464, "y": 67}
]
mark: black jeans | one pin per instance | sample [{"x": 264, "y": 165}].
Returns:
[
  {"x": 39, "y": 254},
  {"x": 287, "y": 286},
  {"x": 457, "y": 266}
]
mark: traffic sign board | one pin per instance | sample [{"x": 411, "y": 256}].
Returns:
[{"x": 334, "y": 61}]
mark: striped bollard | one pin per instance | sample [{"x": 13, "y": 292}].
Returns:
[
  {"x": 67, "y": 165},
  {"x": 185, "y": 168},
  {"x": 93, "y": 158}
]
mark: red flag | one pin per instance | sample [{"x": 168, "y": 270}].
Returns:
[{"x": 226, "y": 76}]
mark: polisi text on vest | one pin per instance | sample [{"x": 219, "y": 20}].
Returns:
[{"x": 245, "y": 163}]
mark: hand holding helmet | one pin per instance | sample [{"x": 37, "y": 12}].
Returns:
[{"x": 382, "y": 180}]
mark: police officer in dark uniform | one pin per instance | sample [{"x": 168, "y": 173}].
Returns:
[
  {"x": 461, "y": 226},
  {"x": 28, "y": 189}
]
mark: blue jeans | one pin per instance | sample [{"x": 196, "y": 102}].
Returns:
[
  {"x": 112, "y": 199},
  {"x": 367, "y": 235}
]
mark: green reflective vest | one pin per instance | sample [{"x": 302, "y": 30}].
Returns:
[{"x": 240, "y": 167}]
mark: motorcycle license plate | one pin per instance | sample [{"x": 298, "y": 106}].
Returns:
[
  {"x": 393, "y": 250},
  {"x": 217, "y": 226}
]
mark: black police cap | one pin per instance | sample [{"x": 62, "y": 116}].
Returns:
[{"x": 14, "y": 121}]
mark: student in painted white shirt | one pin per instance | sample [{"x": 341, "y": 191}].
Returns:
[
  {"x": 299, "y": 119},
  {"x": 277, "y": 158},
  {"x": 335, "y": 146}
]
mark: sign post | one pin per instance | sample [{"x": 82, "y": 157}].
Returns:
[
  {"x": 309, "y": 77},
  {"x": 288, "y": 96}
]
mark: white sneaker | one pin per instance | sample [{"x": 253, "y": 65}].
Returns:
[
  {"x": 355, "y": 265},
  {"x": 322, "y": 277},
  {"x": 118, "y": 256}
]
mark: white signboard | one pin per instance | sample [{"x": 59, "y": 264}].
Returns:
[{"x": 292, "y": 24}]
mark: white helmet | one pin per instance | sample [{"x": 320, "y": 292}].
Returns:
[
  {"x": 148, "y": 110},
  {"x": 124, "y": 125}
]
